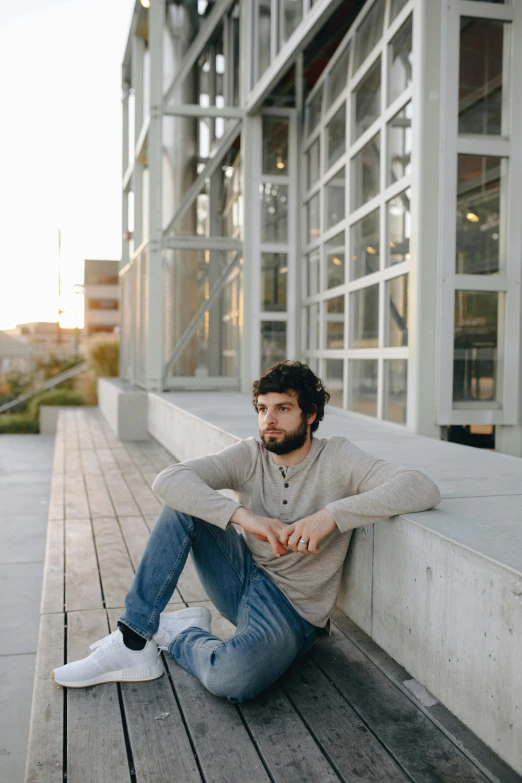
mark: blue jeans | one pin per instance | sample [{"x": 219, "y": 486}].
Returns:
[{"x": 270, "y": 633}]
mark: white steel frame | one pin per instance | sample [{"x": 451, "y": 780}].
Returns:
[
  {"x": 507, "y": 146},
  {"x": 387, "y": 192}
]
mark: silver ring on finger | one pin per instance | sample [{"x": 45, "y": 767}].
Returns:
[{"x": 303, "y": 542}]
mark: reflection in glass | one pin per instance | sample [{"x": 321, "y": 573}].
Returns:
[
  {"x": 313, "y": 364},
  {"x": 312, "y": 336},
  {"x": 365, "y": 173},
  {"x": 475, "y": 361},
  {"x": 338, "y": 77},
  {"x": 314, "y": 163},
  {"x": 400, "y": 61},
  {"x": 364, "y": 309},
  {"x": 336, "y": 136},
  {"x": 478, "y": 214},
  {"x": 274, "y": 217},
  {"x": 335, "y": 322},
  {"x": 274, "y": 274},
  {"x": 334, "y": 381},
  {"x": 368, "y": 99},
  {"x": 312, "y": 218},
  {"x": 399, "y": 228},
  {"x": 275, "y": 145},
  {"x": 362, "y": 386},
  {"x": 399, "y": 140},
  {"x": 397, "y": 312},
  {"x": 334, "y": 194},
  {"x": 273, "y": 343},
  {"x": 368, "y": 33},
  {"x": 314, "y": 273},
  {"x": 334, "y": 250},
  {"x": 480, "y": 75},
  {"x": 263, "y": 36},
  {"x": 292, "y": 15},
  {"x": 396, "y": 385},
  {"x": 396, "y": 8},
  {"x": 365, "y": 246},
  {"x": 314, "y": 110}
]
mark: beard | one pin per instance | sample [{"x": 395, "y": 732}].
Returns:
[{"x": 291, "y": 441}]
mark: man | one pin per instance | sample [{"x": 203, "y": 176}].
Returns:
[{"x": 300, "y": 497}]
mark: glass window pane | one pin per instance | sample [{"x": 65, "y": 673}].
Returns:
[
  {"x": 314, "y": 162},
  {"x": 274, "y": 274},
  {"x": 335, "y": 199},
  {"x": 397, "y": 311},
  {"x": 335, "y": 322},
  {"x": 364, "y": 309},
  {"x": 396, "y": 375},
  {"x": 399, "y": 228},
  {"x": 314, "y": 273},
  {"x": 273, "y": 343},
  {"x": 399, "y": 140},
  {"x": 314, "y": 110},
  {"x": 478, "y": 214},
  {"x": 313, "y": 364},
  {"x": 334, "y": 381},
  {"x": 292, "y": 15},
  {"x": 312, "y": 218},
  {"x": 396, "y": 8},
  {"x": 336, "y": 136},
  {"x": 312, "y": 336},
  {"x": 334, "y": 250},
  {"x": 263, "y": 37},
  {"x": 480, "y": 75},
  {"x": 275, "y": 145},
  {"x": 475, "y": 362},
  {"x": 365, "y": 246},
  {"x": 274, "y": 218},
  {"x": 338, "y": 77},
  {"x": 400, "y": 61},
  {"x": 365, "y": 173},
  {"x": 367, "y": 101},
  {"x": 362, "y": 386},
  {"x": 369, "y": 32}
]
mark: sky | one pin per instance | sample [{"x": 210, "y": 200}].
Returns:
[{"x": 60, "y": 139}]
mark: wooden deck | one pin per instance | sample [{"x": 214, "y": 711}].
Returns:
[{"x": 336, "y": 715}]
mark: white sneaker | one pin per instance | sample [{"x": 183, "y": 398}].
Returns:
[
  {"x": 111, "y": 661},
  {"x": 172, "y": 623}
]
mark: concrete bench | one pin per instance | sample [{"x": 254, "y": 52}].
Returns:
[
  {"x": 344, "y": 712},
  {"x": 124, "y": 408}
]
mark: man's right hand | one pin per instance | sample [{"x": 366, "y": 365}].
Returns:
[{"x": 263, "y": 528}]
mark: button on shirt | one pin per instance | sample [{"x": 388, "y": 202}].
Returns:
[{"x": 355, "y": 487}]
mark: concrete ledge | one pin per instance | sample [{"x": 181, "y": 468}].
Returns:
[
  {"x": 439, "y": 591},
  {"x": 48, "y": 419},
  {"x": 124, "y": 407}
]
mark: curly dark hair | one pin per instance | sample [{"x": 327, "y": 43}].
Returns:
[{"x": 294, "y": 378}]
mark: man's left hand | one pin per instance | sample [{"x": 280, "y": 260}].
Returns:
[{"x": 311, "y": 529}]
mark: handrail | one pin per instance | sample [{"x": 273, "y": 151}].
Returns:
[{"x": 63, "y": 376}]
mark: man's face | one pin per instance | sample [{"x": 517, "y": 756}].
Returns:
[{"x": 282, "y": 428}]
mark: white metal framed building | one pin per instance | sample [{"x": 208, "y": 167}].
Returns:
[{"x": 339, "y": 182}]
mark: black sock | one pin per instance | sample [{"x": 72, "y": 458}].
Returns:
[{"x": 131, "y": 639}]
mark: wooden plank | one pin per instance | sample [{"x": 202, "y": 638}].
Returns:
[
  {"x": 57, "y": 497},
  {"x": 225, "y": 750},
  {"x": 120, "y": 494},
  {"x": 426, "y": 754},
  {"x": 113, "y": 559},
  {"x": 96, "y": 749},
  {"x": 351, "y": 748},
  {"x": 53, "y": 576},
  {"x": 144, "y": 496},
  {"x": 82, "y": 426},
  {"x": 97, "y": 434},
  {"x": 90, "y": 464},
  {"x": 82, "y": 582},
  {"x": 100, "y": 503},
  {"x": 289, "y": 751},
  {"x": 76, "y": 504},
  {"x": 160, "y": 745},
  {"x": 44, "y": 762}
]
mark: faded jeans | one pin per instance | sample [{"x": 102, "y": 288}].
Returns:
[{"x": 270, "y": 633}]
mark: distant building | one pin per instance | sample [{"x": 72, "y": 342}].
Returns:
[
  {"x": 102, "y": 296},
  {"x": 45, "y": 339},
  {"x": 15, "y": 355}
]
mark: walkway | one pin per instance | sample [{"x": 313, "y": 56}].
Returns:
[
  {"x": 336, "y": 715},
  {"x": 25, "y": 483}
]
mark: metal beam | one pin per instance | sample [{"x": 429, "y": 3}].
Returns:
[
  {"x": 193, "y": 110},
  {"x": 226, "y": 141},
  {"x": 202, "y": 243},
  {"x": 198, "y": 44},
  {"x": 127, "y": 177},
  {"x": 142, "y": 138}
]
